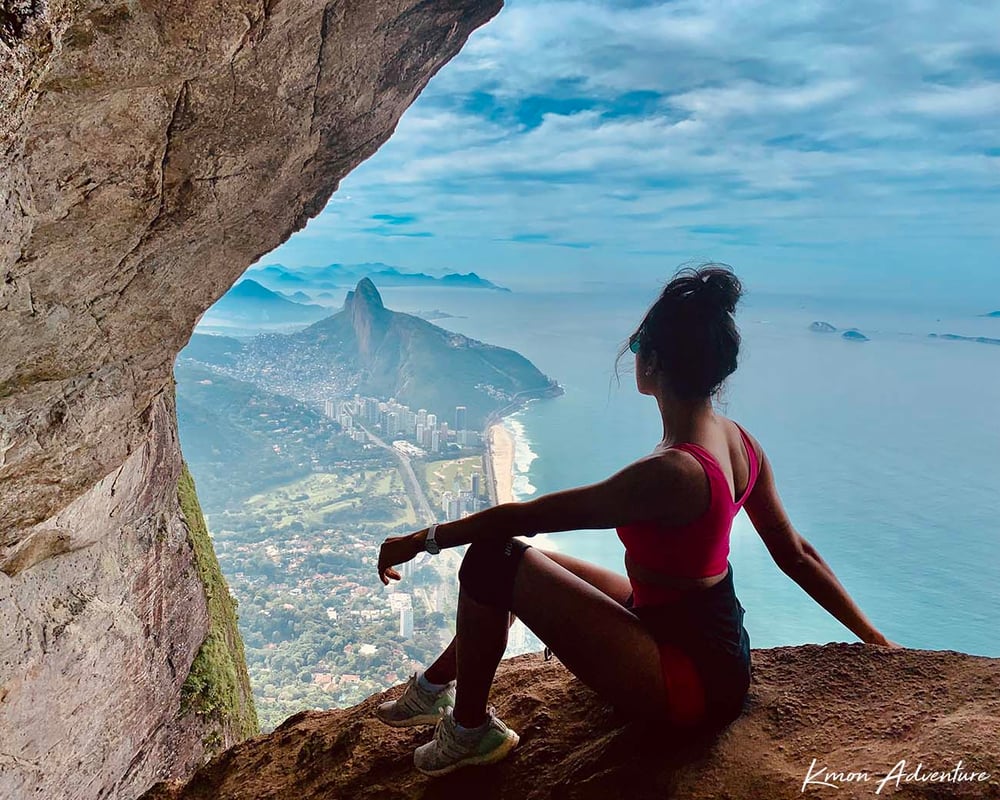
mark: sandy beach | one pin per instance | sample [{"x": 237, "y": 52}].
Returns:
[
  {"x": 501, "y": 442},
  {"x": 502, "y": 455}
]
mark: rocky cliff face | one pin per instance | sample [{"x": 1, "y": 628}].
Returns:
[
  {"x": 851, "y": 707},
  {"x": 148, "y": 154}
]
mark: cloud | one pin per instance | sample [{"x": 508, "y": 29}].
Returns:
[
  {"x": 820, "y": 132},
  {"x": 545, "y": 239},
  {"x": 751, "y": 98},
  {"x": 964, "y": 101},
  {"x": 395, "y": 219},
  {"x": 380, "y": 230}
]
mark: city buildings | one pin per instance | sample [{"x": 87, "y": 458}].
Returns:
[
  {"x": 414, "y": 434},
  {"x": 398, "y": 420}
]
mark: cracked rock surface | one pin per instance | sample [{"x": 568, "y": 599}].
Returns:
[{"x": 149, "y": 153}]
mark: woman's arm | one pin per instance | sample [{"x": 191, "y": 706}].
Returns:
[
  {"x": 816, "y": 577},
  {"x": 799, "y": 560},
  {"x": 651, "y": 488}
]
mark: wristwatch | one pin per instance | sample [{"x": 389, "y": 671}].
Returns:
[{"x": 430, "y": 545}]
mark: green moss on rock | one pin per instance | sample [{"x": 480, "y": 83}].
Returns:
[{"x": 218, "y": 685}]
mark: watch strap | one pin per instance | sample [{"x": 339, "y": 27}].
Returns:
[{"x": 430, "y": 543}]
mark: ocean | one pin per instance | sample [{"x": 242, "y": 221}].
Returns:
[{"x": 885, "y": 452}]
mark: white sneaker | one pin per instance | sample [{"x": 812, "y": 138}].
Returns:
[
  {"x": 451, "y": 749},
  {"x": 416, "y": 706}
]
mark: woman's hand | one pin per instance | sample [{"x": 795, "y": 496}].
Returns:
[
  {"x": 880, "y": 639},
  {"x": 394, "y": 551}
]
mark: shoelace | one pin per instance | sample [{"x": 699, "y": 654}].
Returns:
[
  {"x": 447, "y": 739},
  {"x": 448, "y": 745},
  {"x": 548, "y": 653},
  {"x": 411, "y": 698}
]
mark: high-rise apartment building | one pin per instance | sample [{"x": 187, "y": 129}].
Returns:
[{"x": 406, "y": 622}]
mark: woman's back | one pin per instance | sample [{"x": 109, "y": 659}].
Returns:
[{"x": 698, "y": 547}]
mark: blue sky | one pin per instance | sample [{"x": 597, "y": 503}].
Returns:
[{"x": 822, "y": 147}]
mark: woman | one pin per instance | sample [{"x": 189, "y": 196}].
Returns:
[{"x": 666, "y": 642}]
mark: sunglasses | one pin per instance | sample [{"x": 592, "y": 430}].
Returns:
[{"x": 633, "y": 342}]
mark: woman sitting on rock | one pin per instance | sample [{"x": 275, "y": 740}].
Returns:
[{"x": 668, "y": 641}]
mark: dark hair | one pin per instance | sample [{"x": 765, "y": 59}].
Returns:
[{"x": 691, "y": 329}]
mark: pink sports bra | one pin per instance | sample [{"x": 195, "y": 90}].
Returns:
[{"x": 698, "y": 549}]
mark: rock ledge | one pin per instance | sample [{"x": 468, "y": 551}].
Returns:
[{"x": 852, "y": 707}]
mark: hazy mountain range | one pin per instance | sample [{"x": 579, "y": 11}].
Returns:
[
  {"x": 367, "y": 348},
  {"x": 249, "y": 302},
  {"x": 333, "y": 276}
]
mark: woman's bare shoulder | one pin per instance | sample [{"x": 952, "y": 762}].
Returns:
[{"x": 737, "y": 427}]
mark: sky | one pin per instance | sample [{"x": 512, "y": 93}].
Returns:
[{"x": 847, "y": 148}]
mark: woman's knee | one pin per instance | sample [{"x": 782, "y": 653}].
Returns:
[{"x": 489, "y": 568}]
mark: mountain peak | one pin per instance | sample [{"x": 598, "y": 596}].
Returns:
[
  {"x": 366, "y": 295},
  {"x": 248, "y": 287},
  {"x": 368, "y": 316}
]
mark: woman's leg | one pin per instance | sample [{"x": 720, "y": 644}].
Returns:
[
  {"x": 481, "y": 641},
  {"x": 445, "y": 667},
  {"x": 617, "y": 587},
  {"x": 594, "y": 636}
]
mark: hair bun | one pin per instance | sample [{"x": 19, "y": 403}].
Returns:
[
  {"x": 719, "y": 287},
  {"x": 692, "y": 331}
]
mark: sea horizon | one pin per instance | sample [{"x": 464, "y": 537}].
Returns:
[{"x": 902, "y": 386}]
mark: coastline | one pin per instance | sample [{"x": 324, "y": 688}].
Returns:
[
  {"x": 500, "y": 448},
  {"x": 501, "y": 451},
  {"x": 501, "y": 444}
]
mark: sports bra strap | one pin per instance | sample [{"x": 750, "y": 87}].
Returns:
[{"x": 754, "y": 464}]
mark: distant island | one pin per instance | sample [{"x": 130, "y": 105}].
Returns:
[
  {"x": 851, "y": 334},
  {"x": 437, "y": 314},
  {"x": 365, "y": 348},
  {"x": 333, "y": 276},
  {"x": 991, "y": 314},
  {"x": 955, "y": 337}
]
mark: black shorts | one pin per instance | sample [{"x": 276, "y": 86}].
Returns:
[{"x": 707, "y": 624}]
